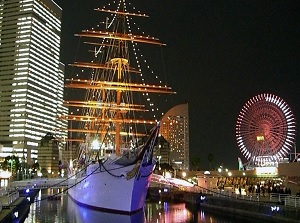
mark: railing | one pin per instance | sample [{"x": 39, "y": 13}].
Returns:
[
  {"x": 285, "y": 199},
  {"x": 8, "y": 198},
  {"x": 230, "y": 194},
  {"x": 292, "y": 201},
  {"x": 282, "y": 199},
  {"x": 40, "y": 183},
  {"x": 3, "y": 191}
]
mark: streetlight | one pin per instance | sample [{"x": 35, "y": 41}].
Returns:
[
  {"x": 11, "y": 166},
  {"x": 159, "y": 168},
  {"x": 95, "y": 144}
]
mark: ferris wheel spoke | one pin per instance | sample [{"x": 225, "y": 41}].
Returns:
[{"x": 265, "y": 128}]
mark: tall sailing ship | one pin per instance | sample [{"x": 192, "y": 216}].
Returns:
[{"x": 115, "y": 159}]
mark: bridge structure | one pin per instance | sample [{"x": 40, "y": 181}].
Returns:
[
  {"x": 44, "y": 183},
  {"x": 40, "y": 183}
]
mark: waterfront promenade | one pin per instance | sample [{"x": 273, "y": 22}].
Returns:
[
  {"x": 273, "y": 207},
  {"x": 270, "y": 208},
  {"x": 12, "y": 206}
]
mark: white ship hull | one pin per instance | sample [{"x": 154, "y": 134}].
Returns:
[{"x": 106, "y": 187}]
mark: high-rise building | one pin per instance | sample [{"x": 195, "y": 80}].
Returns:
[
  {"x": 175, "y": 129},
  {"x": 31, "y": 75}
]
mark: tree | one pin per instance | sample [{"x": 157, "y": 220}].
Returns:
[
  {"x": 35, "y": 167},
  {"x": 196, "y": 163},
  {"x": 166, "y": 166},
  {"x": 44, "y": 172},
  {"x": 11, "y": 163},
  {"x": 210, "y": 159}
]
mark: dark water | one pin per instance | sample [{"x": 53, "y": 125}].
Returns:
[{"x": 66, "y": 211}]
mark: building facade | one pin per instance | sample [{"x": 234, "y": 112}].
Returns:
[
  {"x": 175, "y": 129},
  {"x": 48, "y": 158},
  {"x": 31, "y": 75}
]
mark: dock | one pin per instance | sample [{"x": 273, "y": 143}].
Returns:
[{"x": 13, "y": 208}]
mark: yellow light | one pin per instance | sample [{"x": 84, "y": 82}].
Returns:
[
  {"x": 168, "y": 175},
  {"x": 260, "y": 138}
]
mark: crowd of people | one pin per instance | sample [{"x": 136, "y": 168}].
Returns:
[{"x": 264, "y": 189}]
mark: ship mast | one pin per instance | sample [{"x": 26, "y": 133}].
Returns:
[
  {"x": 113, "y": 81},
  {"x": 121, "y": 62}
]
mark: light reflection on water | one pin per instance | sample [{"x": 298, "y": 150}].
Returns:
[
  {"x": 166, "y": 212},
  {"x": 67, "y": 211}
]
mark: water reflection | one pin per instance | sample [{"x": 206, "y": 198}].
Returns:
[
  {"x": 166, "y": 212},
  {"x": 79, "y": 214},
  {"x": 66, "y": 210},
  {"x": 154, "y": 212}
]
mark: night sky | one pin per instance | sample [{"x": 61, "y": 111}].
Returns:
[{"x": 219, "y": 54}]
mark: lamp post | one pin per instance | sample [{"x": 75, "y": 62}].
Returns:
[
  {"x": 159, "y": 168},
  {"x": 11, "y": 166}
]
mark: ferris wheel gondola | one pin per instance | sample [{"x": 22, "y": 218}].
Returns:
[{"x": 265, "y": 130}]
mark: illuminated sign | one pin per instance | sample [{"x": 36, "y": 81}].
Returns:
[
  {"x": 260, "y": 138},
  {"x": 268, "y": 170}
]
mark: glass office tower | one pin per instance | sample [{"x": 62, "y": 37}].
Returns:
[{"x": 31, "y": 75}]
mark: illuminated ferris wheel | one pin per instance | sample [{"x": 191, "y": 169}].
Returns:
[{"x": 265, "y": 130}]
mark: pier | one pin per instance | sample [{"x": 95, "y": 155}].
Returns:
[{"x": 13, "y": 206}]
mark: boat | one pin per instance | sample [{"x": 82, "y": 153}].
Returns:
[{"x": 115, "y": 161}]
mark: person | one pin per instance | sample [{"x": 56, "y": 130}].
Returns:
[
  {"x": 240, "y": 190},
  {"x": 250, "y": 189},
  {"x": 263, "y": 190}
]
